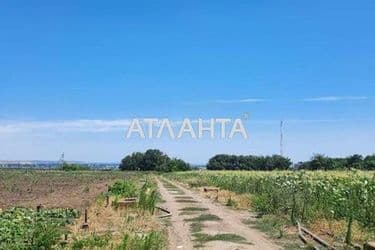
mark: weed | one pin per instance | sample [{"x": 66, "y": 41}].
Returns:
[
  {"x": 150, "y": 241},
  {"x": 91, "y": 241}
]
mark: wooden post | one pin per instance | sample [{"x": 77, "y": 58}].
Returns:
[
  {"x": 85, "y": 215},
  {"x": 85, "y": 225},
  {"x": 107, "y": 200}
]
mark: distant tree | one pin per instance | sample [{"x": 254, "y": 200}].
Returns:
[
  {"x": 132, "y": 162},
  {"x": 302, "y": 165},
  {"x": 152, "y": 160},
  {"x": 248, "y": 162},
  {"x": 218, "y": 162},
  {"x": 369, "y": 162},
  {"x": 321, "y": 162},
  {"x": 73, "y": 167},
  {"x": 174, "y": 165},
  {"x": 354, "y": 161},
  {"x": 278, "y": 162}
]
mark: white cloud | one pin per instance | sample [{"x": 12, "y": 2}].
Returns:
[
  {"x": 335, "y": 98},
  {"x": 75, "y": 125},
  {"x": 247, "y": 100},
  {"x": 69, "y": 125}
]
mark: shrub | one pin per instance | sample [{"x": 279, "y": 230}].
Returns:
[{"x": 123, "y": 189}]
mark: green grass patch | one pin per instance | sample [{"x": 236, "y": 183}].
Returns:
[
  {"x": 186, "y": 201},
  {"x": 204, "y": 217},
  {"x": 202, "y": 238},
  {"x": 191, "y": 210},
  {"x": 184, "y": 197},
  {"x": 272, "y": 225},
  {"x": 92, "y": 241},
  {"x": 196, "y": 227},
  {"x": 150, "y": 241},
  {"x": 176, "y": 192}
]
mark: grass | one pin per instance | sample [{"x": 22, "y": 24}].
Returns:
[
  {"x": 184, "y": 197},
  {"x": 204, "y": 217},
  {"x": 197, "y": 222},
  {"x": 191, "y": 210},
  {"x": 92, "y": 241},
  {"x": 172, "y": 188},
  {"x": 186, "y": 201},
  {"x": 176, "y": 192},
  {"x": 149, "y": 241},
  {"x": 196, "y": 227},
  {"x": 204, "y": 238},
  {"x": 271, "y": 225}
]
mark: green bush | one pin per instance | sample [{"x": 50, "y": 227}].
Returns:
[{"x": 123, "y": 189}]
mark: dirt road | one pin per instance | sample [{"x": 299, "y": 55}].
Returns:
[{"x": 213, "y": 227}]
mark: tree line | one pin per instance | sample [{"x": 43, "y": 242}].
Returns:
[
  {"x": 152, "y": 160},
  {"x": 248, "y": 162},
  {"x": 155, "y": 160},
  {"x": 277, "y": 162},
  {"x": 322, "y": 162}
]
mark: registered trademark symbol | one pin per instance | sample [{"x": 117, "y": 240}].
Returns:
[{"x": 245, "y": 115}]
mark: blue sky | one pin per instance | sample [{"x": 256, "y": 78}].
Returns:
[{"x": 71, "y": 71}]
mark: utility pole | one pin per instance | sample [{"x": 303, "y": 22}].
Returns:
[
  {"x": 281, "y": 137},
  {"x": 62, "y": 159}
]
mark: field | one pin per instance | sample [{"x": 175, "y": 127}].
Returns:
[
  {"x": 207, "y": 209},
  {"x": 337, "y": 206},
  {"x": 29, "y": 188},
  {"x": 65, "y": 197}
]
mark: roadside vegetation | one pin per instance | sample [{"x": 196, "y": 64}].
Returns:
[{"x": 340, "y": 204}]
